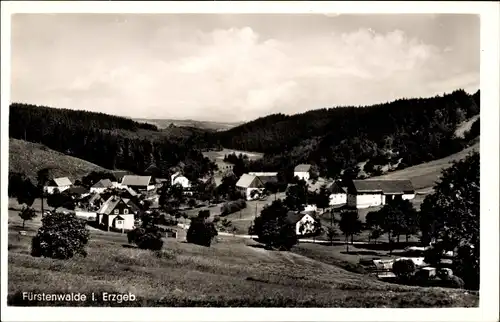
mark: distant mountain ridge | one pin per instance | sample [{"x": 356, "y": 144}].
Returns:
[{"x": 205, "y": 125}]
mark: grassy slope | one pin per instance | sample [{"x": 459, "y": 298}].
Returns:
[
  {"x": 423, "y": 176},
  {"x": 230, "y": 273},
  {"x": 30, "y": 157}
]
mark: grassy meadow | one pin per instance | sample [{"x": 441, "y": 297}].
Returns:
[{"x": 233, "y": 272}]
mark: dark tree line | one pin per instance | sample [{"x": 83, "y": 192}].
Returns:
[
  {"x": 106, "y": 140},
  {"x": 404, "y": 132}
]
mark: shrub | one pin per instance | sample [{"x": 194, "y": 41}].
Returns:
[
  {"x": 61, "y": 236},
  {"x": 201, "y": 232},
  {"x": 455, "y": 282},
  {"x": 148, "y": 237},
  {"x": 233, "y": 206},
  {"x": 403, "y": 268}
]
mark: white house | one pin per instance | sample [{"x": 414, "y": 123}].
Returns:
[
  {"x": 138, "y": 183},
  {"x": 118, "y": 213},
  {"x": 304, "y": 223},
  {"x": 372, "y": 193},
  {"x": 60, "y": 184},
  {"x": 248, "y": 183},
  {"x": 338, "y": 195},
  {"x": 178, "y": 178},
  {"x": 101, "y": 186},
  {"x": 302, "y": 171}
]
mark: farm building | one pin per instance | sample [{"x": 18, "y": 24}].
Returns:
[
  {"x": 266, "y": 177},
  {"x": 302, "y": 171},
  {"x": 138, "y": 183},
  {"x": 304, "y": 223},
  {"x": 118, "y": 175},
  {"x": 338, "y": 195},
  {"x": 248, "y": 183},
  {"x": 118, "y": 213},
  {"x": 372, "y": 193},
  {"x": 60, "y": 184},
  {"x": 101, "y": 186},
  {"x": 178, "y": 178}
]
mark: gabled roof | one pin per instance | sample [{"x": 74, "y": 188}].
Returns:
[
  {"x": 302, "y": 168},
  {"x": 119, "y": 218},
  {"x": 336, "y": 188},
  {"x": 294, "y": 217},
  {"x": 94, "y": 198},
  {"x": 60, "y": 182},
  {"x": 264, "y": 174},
  {"x": 103, "y": 183},
  {"x": 130, "y": 191},
  {"x": 383, "y": 186},
  {"x": 249, "y": 181},
  {"x": 132, "y": 180},
  {"x": 110, "y": 204},
  {"x": 119, "y": 174}
]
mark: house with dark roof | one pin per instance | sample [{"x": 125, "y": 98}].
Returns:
[
  {"x": 249, "y": 183},
  {"x": 57, "y": 184},
  {"x": 266, "y": 177},
  {"x": 118, "y": 213},
  {"x": 138, "y": 183},
  {"x": 101, "y": 185},
  {"x": 303, "y": 222},
  {"x": 119, "y": 174},
  {"x": 302, "y": 171},
  {"x": 338, "y": 194},
  {"x": 77, "y": 192},
  {"x": 372, "y": 193}
]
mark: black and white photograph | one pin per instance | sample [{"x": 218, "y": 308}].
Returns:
[{"x": 204, "y": 159}]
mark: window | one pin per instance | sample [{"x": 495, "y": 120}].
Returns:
[
  {"x": 125, "y": 211},
  {"x": 116, "y": 211},
  {"x": 119, "y": 222}
]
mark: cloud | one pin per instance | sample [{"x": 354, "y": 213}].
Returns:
[{"x": 235, "y": 74}]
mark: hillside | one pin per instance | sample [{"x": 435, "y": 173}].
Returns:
[
  {"x": 205, "y": 125},
  {"x": 405, "y": 132},
  {"x": 28, "y": 158},
  {"x": 109, "y": 141},
  {"x": 231, "y": 273},
  {"x": 423, "y": 176}
]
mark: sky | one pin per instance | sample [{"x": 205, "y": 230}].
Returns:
[{"x": 237, "y": 67}]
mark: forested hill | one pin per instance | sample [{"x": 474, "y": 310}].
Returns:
[
  {"x": 109, "y": 141},
  {"x": 403, "y": 132}
]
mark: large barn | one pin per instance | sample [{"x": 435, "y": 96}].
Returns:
[{"x": 372, "y": 193}]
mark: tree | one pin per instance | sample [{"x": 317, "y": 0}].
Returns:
[
  {"x": 42, "y": 177},
  {"x": 350, "y": 225},
  {"x": 297, "y": 196},
  {"x": 331, "y": 233},
  {"x": 201, "y": 231},
  {"x": 58, "y": 200},
  {"x": 148, "y": 235},
  {"x": 403, "y": 269},
  {"x": 273, "y": 228},
  {"x": 272, "y": 188},
  {"x": 322, "y": 198},
  {"x": 61, "y": 237},
  {"x": 455, "y": 208},
  {"x": 27, "y": 213}
]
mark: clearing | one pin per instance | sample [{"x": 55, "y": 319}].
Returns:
[{"x": 27, "y": 157}]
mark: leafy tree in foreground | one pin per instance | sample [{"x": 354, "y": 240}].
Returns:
[
  {"x": 403, "y": 268},
  {"x": 297, "y": 196},
  {"x": 454, "y": 209},
  {"x": 201, "y": 231},
  {"x": 273, "y": 228},
  {"x": 27, "y": 213},
  {"x": 350, "y": 225},
  {"x": 58, "y": 200},
  {"x": 61, "y": 236}
]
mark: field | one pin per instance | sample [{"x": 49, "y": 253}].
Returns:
[
  {"x": 233, "y": 272},
  {"x": 28, "y": 158},
  {"x": 423, "y": 176},
  {"x": 219, "y": 155}
]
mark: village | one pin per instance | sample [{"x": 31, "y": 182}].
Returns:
[{"x": 116, "y": 203}]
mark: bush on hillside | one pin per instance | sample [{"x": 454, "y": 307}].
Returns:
[
  {"x": 403, "y": 268},
  {"x": 233, "y": 206},
  {"x": 146, "y": 237},
  {"x": 201, "y": 231},
  {"x": 61, "y": 236}
]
